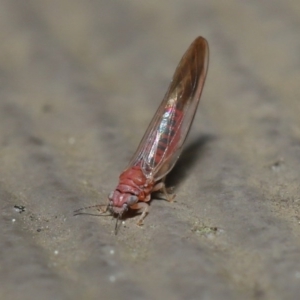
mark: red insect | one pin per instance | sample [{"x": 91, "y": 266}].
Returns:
[{"x": 162, "y": 143}]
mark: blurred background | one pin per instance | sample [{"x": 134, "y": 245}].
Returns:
[{"x": 79, "y": 83}]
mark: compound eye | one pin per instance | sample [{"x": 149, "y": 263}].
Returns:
[{"x": 132, "y": 200}]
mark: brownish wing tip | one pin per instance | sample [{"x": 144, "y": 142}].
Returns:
[
  {"x": 200, "y": 44},
  {"x": 200, "y": 40}
]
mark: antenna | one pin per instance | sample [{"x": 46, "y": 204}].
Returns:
[{"x": 99, "y": 206}]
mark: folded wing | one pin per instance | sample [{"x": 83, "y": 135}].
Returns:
[{"x": 162, "y": 143}]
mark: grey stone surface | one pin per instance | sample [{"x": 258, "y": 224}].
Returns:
[{"x": 79, "y": 82}]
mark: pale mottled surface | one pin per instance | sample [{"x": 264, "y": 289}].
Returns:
[{"x": 80, "y": 80}]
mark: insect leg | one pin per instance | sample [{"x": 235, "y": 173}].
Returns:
[
  {"x": 105, "y": 207},
  {"x": 145, "y": 210},
  {"x": 161, "y": 187}
]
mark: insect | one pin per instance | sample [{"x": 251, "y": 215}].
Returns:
[{"x": 162, "y": 143}]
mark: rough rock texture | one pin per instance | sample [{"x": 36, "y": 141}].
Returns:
[{"x": 80, "y": 80}]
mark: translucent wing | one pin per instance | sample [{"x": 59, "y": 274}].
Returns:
[{"x": 162, "y": 143}]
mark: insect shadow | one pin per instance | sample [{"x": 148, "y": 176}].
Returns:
[{"x": 187, "y": 159}]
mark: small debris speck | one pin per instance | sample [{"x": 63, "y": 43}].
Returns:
[
  {"x": 204, "y": 230},
  {"x": 112, "y": 251},
  {"x": 13, "y": 220},
  {"x": 56, "y": 252},
  {"x": 112, "y": 278},
  {"x": 19, "y": 208}
]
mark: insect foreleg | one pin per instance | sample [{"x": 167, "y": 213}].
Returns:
[{"x": 145, "y": 210}]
